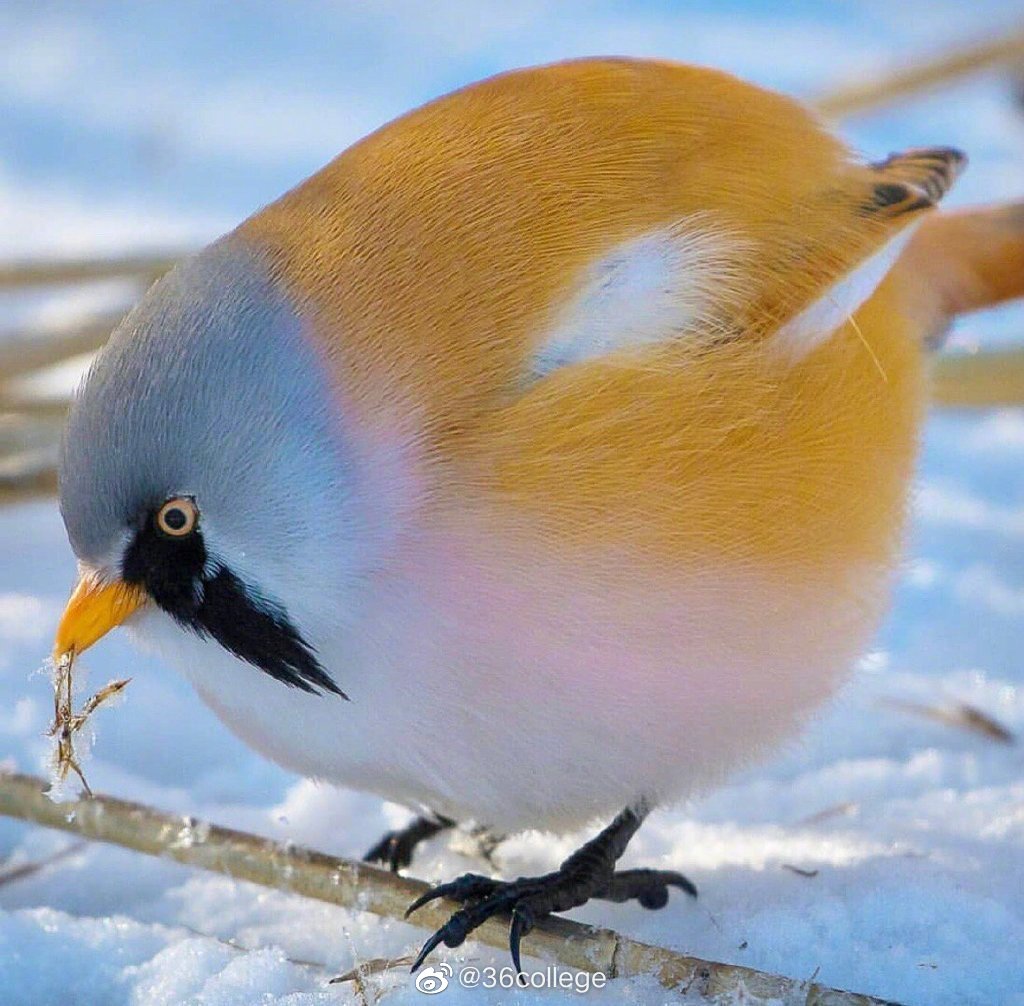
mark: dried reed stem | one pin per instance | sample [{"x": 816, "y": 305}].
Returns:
[
  {"x": 59, "y": 272},
  {"x": 990, "y": 379},
  {"x": 921, "y": 76},
  {"x": 361, "y": 887},
  {"x": 23, "y": 352}
]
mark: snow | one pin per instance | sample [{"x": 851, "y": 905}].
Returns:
[{"x": 138, "y": 127}]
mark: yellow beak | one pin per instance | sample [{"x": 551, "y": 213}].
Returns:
[{"x": 93, "y": 610}]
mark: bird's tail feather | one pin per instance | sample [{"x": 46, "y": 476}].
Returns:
[{"x": 963, "y": 261}]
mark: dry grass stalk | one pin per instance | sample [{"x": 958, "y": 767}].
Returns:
[
  {"x": 42, "y": 486},
  {"x": 960, "y": 715},
  {"x": 28, "y": 464},
  {"x": 23, "y": 352},
  {"x": 361, "y": 887},
  {"x": 20, "y": 433},
  {"x": 373, "y": 966},
  {"x": 29, "y": 447},
  {"x": 991, "y": 379},
  {"x": 34, "y": 407},
  {"x": 800, "y": 871},
  {"x": 921, "y": 76},
  {"x": 242, "y": 948},
  {"x": 23, "y": 477},
  {"x": 66, "y": 722},
  {"x": 845, "y": 809},
  {"x": 17, "y": 275},
  {"x": 25, "y": 870}
]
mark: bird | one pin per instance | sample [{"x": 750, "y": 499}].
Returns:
[{"x": 540, "y": 461}]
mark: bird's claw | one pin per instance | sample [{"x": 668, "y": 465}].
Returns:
[
  {"x": 395, "y": 850},
  {"x": 588, "y": 873},
  {"x": 482, "y": 898},
  {"x": 522, "y": 922},
  {"x": 648, "y": 887},
  {"x": 389, "y": 852},
  {"x": 531, "y": 898},
  {"x": 468, "y": 887}
]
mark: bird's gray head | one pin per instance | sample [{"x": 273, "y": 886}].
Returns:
[{"x": 204, "y": 466}]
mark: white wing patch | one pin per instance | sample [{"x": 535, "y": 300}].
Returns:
[
  {"x": 670, "y": 283},
  {"x": 816, "y": 322}
]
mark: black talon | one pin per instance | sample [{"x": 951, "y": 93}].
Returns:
[
  {"x": 427, "y": 947},
  {"x": 421, "y": 901},
  {"x": 648, "y": 887},
  {"x": 521, "y": 924},
  {"x": 587, "y": 873},
  {"x": 468, "y": 887},
  {"x": 453, "y": 933},
  {"x": 395, "y": 849}
]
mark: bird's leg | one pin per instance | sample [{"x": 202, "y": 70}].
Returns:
[
  {"x": 396, "y": 848},
  {"x": 587, "y": 873},
  {"x": 486, "y": 843}
]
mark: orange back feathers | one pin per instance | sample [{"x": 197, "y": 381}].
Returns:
[{"x": 436, "y": 257}]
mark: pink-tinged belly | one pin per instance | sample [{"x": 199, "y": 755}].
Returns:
[
  {"x": 538, "y": 689},
  {"x": 494, "y": 681}
]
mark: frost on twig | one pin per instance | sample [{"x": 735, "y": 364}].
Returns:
[{"x": 67, "y": 723}]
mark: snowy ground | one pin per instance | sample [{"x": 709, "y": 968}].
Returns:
[{"x": 123, "y": 129}]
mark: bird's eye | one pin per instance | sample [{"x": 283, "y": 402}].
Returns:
[{"x": 177, "y": 517}]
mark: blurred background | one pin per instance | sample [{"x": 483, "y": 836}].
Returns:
[{"x": 132, "y": 133}]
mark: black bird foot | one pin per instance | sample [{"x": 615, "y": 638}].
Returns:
[
  {"x": 395, "y": 849},
  {"x": 649, "y": 887},
  {"x": 587, "y": 873},
  {"x": 487, "y": 843}
]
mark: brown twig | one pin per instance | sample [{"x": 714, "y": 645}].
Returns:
[
  {"x": 844, "y": 809},
  {"x": 994, "y": 378},
  {"x": 361, "y": 887},
  {"x": 374, "y": 966},
  {"x": 22, "y": 477},
  {"x": 800, "y": 871},
  {"x": 23, "y": 352},
  {"x": 15, "y": 275},
  {"x": 19, "y": 432},
  {"x": 15, "y": 873},
  {"x": 33, "y": 406},
  {"x": 924, "y": 75},
  {"x": 960, "y": 715}
]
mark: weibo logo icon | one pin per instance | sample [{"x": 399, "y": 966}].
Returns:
[{"x": 432, "y": 980}]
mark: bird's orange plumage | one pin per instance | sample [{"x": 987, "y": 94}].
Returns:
[
  {"x": 730, "y": 455},
  {"x": 455, "y": 234}
]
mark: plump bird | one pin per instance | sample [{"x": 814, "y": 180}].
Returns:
[{"x": 540, "y": 460}]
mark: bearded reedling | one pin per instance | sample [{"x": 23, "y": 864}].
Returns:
[{"x": 543, "y": 458}]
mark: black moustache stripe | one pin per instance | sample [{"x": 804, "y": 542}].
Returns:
[
  {"x": 262, "y": 638},
  {"x": 173, "y": 571}
]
